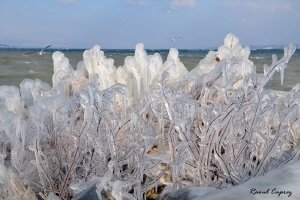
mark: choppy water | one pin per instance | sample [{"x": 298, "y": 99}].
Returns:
[{"x": 16, "y": 65}]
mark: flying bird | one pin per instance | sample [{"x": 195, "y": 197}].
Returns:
[
  {"x": 173, "y": 39},
  {"x": 41, "y": 52},
  {"x": 167, "y": 11}
]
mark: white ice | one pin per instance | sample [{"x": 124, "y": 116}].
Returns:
[{"x": 284, "y": 179}]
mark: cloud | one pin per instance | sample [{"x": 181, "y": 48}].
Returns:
[
  {"x": 138, "y": 3},
  {"x": 287, "y": 6},
  {"x": 66, "y": 1},
  {"x": 252, "y": 5},
  {"x": 143, "y": 3},
  {"x": 183, "y": 3},
  {"x": 267, "y": 5},
  {"x": 279, "y": 6},
  {"x": 244, "y": 20}
]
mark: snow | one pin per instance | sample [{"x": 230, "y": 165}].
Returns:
[
  {"x": 280, "y": 183},
  {"x": 284, "y": 179}
]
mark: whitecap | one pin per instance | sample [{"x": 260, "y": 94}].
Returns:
[
  {"x": 35, "y": 72},
  {"x": 268, "y": 48},
  {"x": 32, "y": 72},
  {"x": 257, "y": 57}
]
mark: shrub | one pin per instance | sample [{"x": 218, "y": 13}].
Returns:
[{"x": 125, "y": 128}]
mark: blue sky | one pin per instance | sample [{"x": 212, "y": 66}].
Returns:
[{"x": 124, "y": 23}]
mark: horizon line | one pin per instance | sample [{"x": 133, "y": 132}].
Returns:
[{"x": 253, "y": 47}]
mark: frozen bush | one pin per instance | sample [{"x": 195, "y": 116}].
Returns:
[{"x": 124, "y": 129}]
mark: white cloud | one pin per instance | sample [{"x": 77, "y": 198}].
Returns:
[
  {"x": 252, "y": 5},
  {"x": 268, "y": 5},
  {"x": 66, "y": 1},
  {"x": 287, "y": 6},
  {"x": 143, "y": 3},
  {"x": 183, "y": 3},
  {"x": 279, "y": 6},
  {"x": 130, "y": 2},
  {"x": 244, "y": 20},
  {"x": 138, "y": 3}
]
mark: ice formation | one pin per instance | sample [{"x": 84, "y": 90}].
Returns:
[
  {"x": 281, "y": 183},
  {"x": 146, "y": 123}
]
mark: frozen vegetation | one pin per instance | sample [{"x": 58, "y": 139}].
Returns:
[
  {"x": 129, "y": 130},
  {"x": 281, "y": 183}
]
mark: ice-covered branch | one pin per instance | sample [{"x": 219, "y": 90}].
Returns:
[{"x": 133, "y": 128}]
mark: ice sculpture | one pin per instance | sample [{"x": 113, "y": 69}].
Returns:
[
  {"x": 125, "y": 129},
  {"x": 96, "y": 63}
]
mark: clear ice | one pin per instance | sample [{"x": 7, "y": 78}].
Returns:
[{"x": 146, "y": 123}]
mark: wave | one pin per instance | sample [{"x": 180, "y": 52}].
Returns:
[
  {"x": 35, "y": 72},
  {"x": 257, "y": 57},
  {"x": 268, "y": 48},
  {"x": 7, "y": 75}
]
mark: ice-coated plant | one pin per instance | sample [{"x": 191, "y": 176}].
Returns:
[{"x": 131, "y": 128}]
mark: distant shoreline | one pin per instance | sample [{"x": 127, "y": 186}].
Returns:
[
  {"x": 252, "y": 47},
  {"x": 3, "y": 46},
  {"x": 128, "y": 50}
]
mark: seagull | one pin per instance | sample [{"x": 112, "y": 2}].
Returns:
[
  {"x": 167, "y": 11},
  {"x": 173, "y": 39},
  {"x": 41, "y": 52}
]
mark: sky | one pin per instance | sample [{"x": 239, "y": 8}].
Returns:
[{"x": 121, "y": 24}]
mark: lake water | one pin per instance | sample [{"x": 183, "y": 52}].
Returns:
[{"x": 19, "y": 64}]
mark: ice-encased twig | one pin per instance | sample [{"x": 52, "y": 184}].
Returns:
[{"x": 214, "y": 126}]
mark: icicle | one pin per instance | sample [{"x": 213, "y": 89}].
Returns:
[
  {"x": 194, "y": 177},
  {"x": 281, "y": 75},
  {"x": 265, "y": 69},
  {"x": 274, "y": 60},
  {"x": 219, "y": 125},
  {"x": 23, "y": 133}
]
